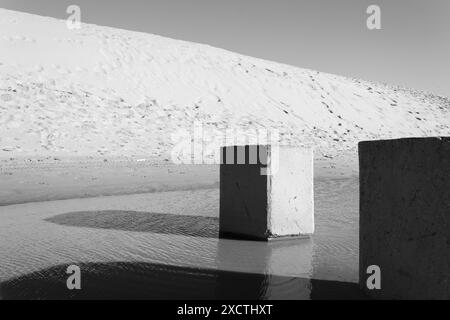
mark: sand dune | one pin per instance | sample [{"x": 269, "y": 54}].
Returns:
[{"x": 100, "y": 91}]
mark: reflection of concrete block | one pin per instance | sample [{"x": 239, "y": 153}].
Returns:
[
  {"x": 405, "y": 217},
  {"x": 254, "y": 205},
  {"x": 282, "y": 269}
]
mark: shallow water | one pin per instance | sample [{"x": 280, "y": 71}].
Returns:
[{"x": 170, "y": 239}]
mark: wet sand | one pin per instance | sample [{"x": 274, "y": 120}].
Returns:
[
  {"x": 43, "y": 179},
  {"x": 55, "y": 178}
]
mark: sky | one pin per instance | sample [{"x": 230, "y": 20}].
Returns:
[{"x": 411, "y": 49}]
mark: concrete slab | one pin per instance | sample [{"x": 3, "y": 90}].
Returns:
[
  {"x": 405, "y": 217},
  {"x": 269, "y": 197}
]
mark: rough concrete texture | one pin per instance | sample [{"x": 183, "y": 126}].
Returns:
[
  {"x": 291, "y": 194},
  {"x": 405, "y": 217},
  {"x": 254, "y": 205}
]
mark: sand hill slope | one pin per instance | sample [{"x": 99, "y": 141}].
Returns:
[{"x": 105, "y": 91}]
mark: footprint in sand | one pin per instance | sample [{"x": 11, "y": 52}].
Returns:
[{"x": 6, "y": 97}]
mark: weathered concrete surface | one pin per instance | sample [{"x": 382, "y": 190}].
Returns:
[
  {"x": 405, "y": 217},
  {"x": 254, "y": 205},
  {"x": 291, "y": 191}
]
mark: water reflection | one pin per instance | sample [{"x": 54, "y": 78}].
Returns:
[
  {"x": 293, "y": 257},
  {"x": 245, "y": 269},
  {"x": 128, "y": 243},
  {"x": 125, "y": 280}
]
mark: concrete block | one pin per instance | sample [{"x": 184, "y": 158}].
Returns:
[
  {"x": 405, "y": 217},
  {"x": 267, "y": 197}
]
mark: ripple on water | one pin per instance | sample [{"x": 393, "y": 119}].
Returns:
[{"x": 95, "y": 230}]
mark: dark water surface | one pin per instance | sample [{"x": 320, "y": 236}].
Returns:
[{"x": 123, "y": 280}]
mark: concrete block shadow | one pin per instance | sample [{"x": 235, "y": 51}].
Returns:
[
  {"x": 130, "y": 280},
  {"x": 139, "y": 221}
]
